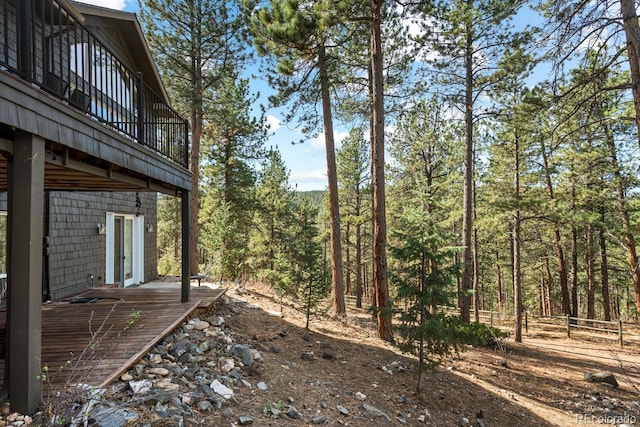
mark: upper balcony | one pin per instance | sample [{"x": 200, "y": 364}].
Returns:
[{"x": 48, "y": 44}]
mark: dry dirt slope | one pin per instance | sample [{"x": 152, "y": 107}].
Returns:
[{"x": 338, "y": 364}]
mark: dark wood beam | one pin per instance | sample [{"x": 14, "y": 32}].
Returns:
[
  {"x": 26, "y": 212},
  {"x": 186, "y": 264}
]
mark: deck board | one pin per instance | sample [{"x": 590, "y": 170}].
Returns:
[{"x": 114, "y": 332}]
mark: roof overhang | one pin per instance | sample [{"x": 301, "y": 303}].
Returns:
[{"x": 129, "y": 27}]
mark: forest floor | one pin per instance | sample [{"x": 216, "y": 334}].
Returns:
[{"x": 331, "y": 372}]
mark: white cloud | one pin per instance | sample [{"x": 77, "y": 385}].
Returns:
[
  {"x": 318, "y": 144},
  {"x": 111, "y": 4},
  {"x": 310, "y": 180},
  {"x": 273, "y": 122}
]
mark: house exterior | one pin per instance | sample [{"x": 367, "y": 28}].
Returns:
[{"x": 87, "y": 140}]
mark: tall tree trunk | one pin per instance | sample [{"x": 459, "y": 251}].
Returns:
[
  {"x": 467, "y": 198},
  {"x": 590, "y": 270},
  {"x": 332, "y": 177},
  {"x": 574, "y": 272},
  {"x": 380, "y": 279},
  {"x": 499, "y": 279},
  {"x": 541, "y": 296},
  {"x": 358, "y": 263},
  {"x": 562, "y": 265},
  {"x": 549, "y": 288},
  {"x": 604, "y": 270},
  {"x": 476, "y": 290},
  {"x": 623, "y": 210},
  {"x": 632, "y": 33},
  {"x": 517, "y": 276},
  {"x": 347, "y": 260},
  {"x": 194, "y": 194}
]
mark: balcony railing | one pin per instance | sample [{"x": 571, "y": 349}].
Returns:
[{"x": 46, "y": 44}]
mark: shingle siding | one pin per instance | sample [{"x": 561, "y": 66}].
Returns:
[{"x": 77, "y": 250}]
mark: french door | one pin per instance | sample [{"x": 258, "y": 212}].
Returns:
[{"x": 125, "y": 249}]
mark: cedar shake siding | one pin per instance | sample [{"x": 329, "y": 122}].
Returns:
[{"x": 77, "y": 250}]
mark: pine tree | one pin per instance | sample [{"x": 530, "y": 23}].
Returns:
[
  {"x": 196, "y": 43},
  {"x": 354, "y": 179},
  {"x": 306, "y": 256},
  {"x": 470, "y": 35},
  {"x": 424, "y": 280},
  {"x": 272, "y": 232},
  {"x": 231, "y": 150},
  {"x": 295, "y": 34}
]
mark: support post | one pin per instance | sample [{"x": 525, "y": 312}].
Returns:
[
  {"x": 24, "y": 310},
  {"x": 186, "y": 259},
  {"x": 568, "y": 326}
]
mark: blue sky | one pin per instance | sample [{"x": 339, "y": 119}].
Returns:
[{"x": 306, "y": 162}]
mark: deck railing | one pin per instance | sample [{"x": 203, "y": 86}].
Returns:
[{"x": 46, "y": 43}]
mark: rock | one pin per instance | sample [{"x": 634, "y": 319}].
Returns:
[
  {"x": 140, "y": 387},
  {"x": 253, "y": 306},
  {"x": 244, "y": 352},
  {"x": 112, "y": 416},
  {"x": 226, "y": 365},
  {"x": 201, "y": 325},
  {"x": 275, "y": 412},
  {"x": 205, "y": 405},
  {"x": 307, "y": 337},
  {"x": 292, "y": 412},
  {"x": 307, "y": 355},
  {"x": 375, "y": 411},
  {"x": 601, "y": 377},
  {"x": 342, "y": 410},
  {"x": 163, "y": 372},
  {"x": 262, "y": 386},
  {"x": 155, "y": 359},
  {"x": 319, "y": 419},
  {"x": 126, "y": 377},
  {"x": 228, "y": 412},
  {"x": 257, "y": 357},
  {"x": 329, "y": 355},
  {"x": 245, "y": 420},
  {"x": 216, "y": 321},
  {"x": 166, "y": 385},
  {"x": 221, "y": 389},
  {"x": 361, "y": 396}
]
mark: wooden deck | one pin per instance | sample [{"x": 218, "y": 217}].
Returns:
[{"x": 95, "y": 336}]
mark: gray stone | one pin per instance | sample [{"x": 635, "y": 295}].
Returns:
[
  {"x": 140, "y": 387},
  {"x": 111, "y": 416},
  {"x": 375, "y": 411},
  {"x": 228, "y": 412},
  {"x": 244, "y": 352},
  {"x": 262, "y": 386},
  {"x": 221, "y": 389},
  {"x": 205, "y": 405},
  {"x": 342, "y": 410},
  {"x": 245, "y": 420},
  {"x": 601, "y": 377},
  {"x": 319, "y": 419},
  {"x": 292, "y": 412},
  {"x": 329, "y": 355}
]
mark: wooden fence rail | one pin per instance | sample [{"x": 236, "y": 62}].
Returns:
[{"x": 573, "y": 327}]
